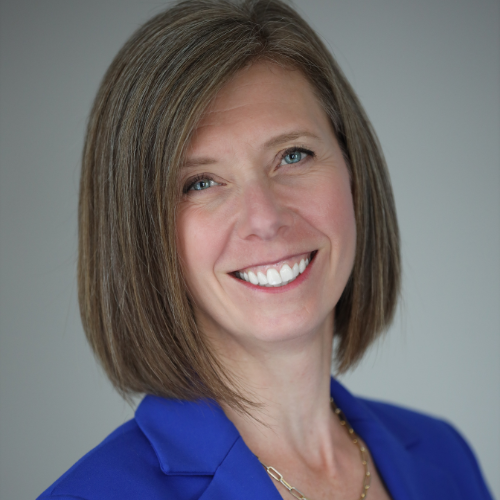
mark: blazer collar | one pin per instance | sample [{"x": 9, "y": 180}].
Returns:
[
  {"x": 358, "y": 412},
  {"x": 188, "y": 437},
  {"x": 406, "y": 476},
  {"x": 197, "y": 438}
]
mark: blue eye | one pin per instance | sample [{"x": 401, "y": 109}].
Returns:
[
  {"x": 294, "y": 157},
  {"x": 201, "y": 184}
]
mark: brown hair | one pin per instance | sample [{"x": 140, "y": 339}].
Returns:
[{"x": 133, "y": 300}]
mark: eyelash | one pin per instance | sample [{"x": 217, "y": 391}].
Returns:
[
  {"x": 296, "y": 149},
  {"x": 207, "y": 177},
  {"x": 197, "y": 178}
]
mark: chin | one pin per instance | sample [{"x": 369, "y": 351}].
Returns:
[{"x": 288, "y": 328}]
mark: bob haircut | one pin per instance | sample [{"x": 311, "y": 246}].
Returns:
[{"x": 134, "y": 304}]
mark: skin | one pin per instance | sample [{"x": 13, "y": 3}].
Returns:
[{"x": 257, "y": 209}]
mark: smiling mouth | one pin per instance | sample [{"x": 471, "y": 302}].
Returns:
[{"x": 278, "y": 275}]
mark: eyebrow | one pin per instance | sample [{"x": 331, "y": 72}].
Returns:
[
  {"x": 271, "y": 143},
  {"x": 287, "y": 137}
]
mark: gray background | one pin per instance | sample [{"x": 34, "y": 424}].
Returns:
[{"x": 428, "y": 74}]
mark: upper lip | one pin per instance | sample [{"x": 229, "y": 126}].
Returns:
[{"x": 273, "y": 262}]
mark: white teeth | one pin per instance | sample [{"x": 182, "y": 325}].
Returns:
[
  {"x": 262, "y": 278},
  {"x": 286, "y": 273},
  {"x": 253, "y": 279},
  {"x": 273, "y": 277},
  {"x": 302, "y": 266}
]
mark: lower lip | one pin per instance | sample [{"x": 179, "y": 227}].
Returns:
[{"x": 281, "y": 289}]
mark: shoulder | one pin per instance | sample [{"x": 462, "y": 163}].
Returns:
[
  {"x": 124, "y": 466},
  {"x": 409, "y": 424},
  {"x": 433, "y": 441},
  {"x": 416, "y": 429}
]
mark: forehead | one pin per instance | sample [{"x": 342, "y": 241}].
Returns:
[
  {"x": 260, "y": 100},
  {"x": 261, "y": 82}
]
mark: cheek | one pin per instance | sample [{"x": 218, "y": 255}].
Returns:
[
  {"x": 338, "y": 214},
  {"x": 331, "y": 211},
  {"x": 344, "y": 234},
  {"x": 200, "y": 242}
]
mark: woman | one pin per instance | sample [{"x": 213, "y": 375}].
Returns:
[{"x": 236, "y": 217}]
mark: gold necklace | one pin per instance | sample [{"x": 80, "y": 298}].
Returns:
[{"x": 296, "y": 493}]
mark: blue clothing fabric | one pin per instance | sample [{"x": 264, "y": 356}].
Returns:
[{"x": 178, "y": 450}]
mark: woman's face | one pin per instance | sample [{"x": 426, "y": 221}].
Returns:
[{"x": 267, "y": 199}]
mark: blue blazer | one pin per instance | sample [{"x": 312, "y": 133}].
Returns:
[{"x": 180, "y": 450}]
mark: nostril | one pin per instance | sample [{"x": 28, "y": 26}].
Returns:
[{"x": 262, "y": 215}]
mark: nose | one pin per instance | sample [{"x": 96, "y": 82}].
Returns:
[{"x": 262, "y": 214}]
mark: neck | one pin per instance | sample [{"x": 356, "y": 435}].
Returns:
[{"x": 291, "y": 383}]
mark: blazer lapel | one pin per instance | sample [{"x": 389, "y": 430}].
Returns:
[
  {"x": 241, "y": 477},
  {"x": 196, "y": 438},
  {"x": 406, "y": 477}
]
